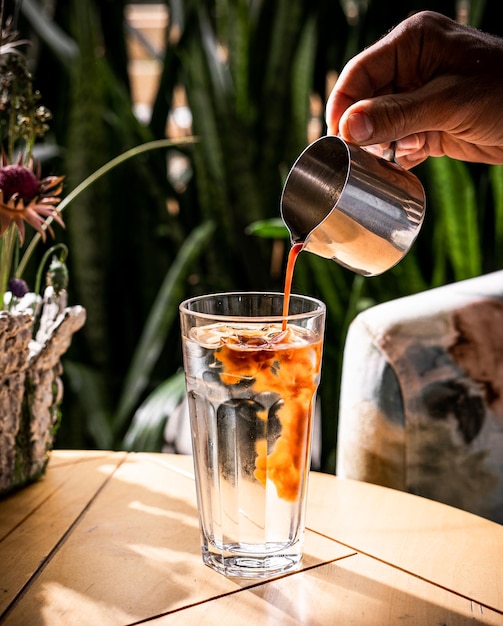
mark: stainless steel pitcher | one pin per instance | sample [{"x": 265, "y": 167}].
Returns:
[{"x": 348, "y": 205}]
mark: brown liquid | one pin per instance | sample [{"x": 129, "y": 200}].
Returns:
[
  {"x": 290, "y": 369},
  {"x": 292, "y": 257}
]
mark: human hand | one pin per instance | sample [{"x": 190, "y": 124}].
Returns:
[{"x": 431, "y": 85}]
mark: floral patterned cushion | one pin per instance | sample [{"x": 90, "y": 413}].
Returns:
[{"x": 422, "y": 396}]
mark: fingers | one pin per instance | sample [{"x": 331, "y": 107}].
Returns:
[
  {"x": 337, "y": 103},
  {"x": 359, "y": 128},
  {"x": 365, "y": 76},
  {"x": 403, "y": 61},
  {"x": 412, "y": 150},
  {"x": 380, "y": 120},
  {"x": 431, "y": 86},
  {"x": 437, "y": 105},
  {"x": 408, "y": 152},
  {"x": 374, "y": 72}
]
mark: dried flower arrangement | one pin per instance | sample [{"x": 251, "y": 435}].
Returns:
[{"x": 35, "y": 328}]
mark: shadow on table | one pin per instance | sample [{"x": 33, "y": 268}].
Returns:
[
  {"x": 115, "y": 542},
  {"x": 359, "y": 590}
]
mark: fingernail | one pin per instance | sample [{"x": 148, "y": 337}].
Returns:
[{"x": 360, "y": 127}]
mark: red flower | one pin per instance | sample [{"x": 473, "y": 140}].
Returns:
[{"x": 24, "y": 197}]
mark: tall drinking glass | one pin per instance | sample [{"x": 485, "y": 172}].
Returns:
[{"x": 251, "y": 377}]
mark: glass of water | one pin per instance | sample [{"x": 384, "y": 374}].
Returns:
[{"x": 251, "y": 378}]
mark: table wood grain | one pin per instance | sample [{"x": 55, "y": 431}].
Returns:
[{"x": 112, "y": 538}]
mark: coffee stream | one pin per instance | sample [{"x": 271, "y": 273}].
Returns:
[{"x": 292, "y": 257}]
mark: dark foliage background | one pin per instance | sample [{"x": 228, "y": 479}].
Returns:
[{"x": 149, "y": 233}]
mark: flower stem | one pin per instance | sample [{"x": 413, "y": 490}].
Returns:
[
  {"x": 118, "y": 160},
  {"x": 50, "y": 252},
  {"x": 7, "y": 246}
]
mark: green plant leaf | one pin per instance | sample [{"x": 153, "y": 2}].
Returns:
[
  {"x": 454, "y": 198},
  {"x": 302, "y": 83},
  {"x": 157, "y": 326},
  {"x": 330, "y": 280},
  {"x": 63, "y": 46},
  {"x": 147, "y": 427},
  {"x": 273, "y": 228},
  {"x": 496, "y": 176}
]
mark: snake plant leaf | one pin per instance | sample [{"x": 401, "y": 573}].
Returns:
[
  {"x": 147, "y": 427},
  {"x": 240, "y": 25},
  {"x": 287, "y": 23},
  {"x": 496, "y": 177},
  {"x": 302, "y": 82},
  {"x": 454, "y": 199},
  {"x": 161, "y": 317},
  {"x": 408, "y": 274},
  {"x": 330, "y": 283},
  {"x": 273, "y": 228},
  {"x": 63, "y": 46}
]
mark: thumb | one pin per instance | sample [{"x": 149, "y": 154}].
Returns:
[{"x": 383, "y": 119}]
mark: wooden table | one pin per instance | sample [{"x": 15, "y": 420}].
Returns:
[{"x": 112, "y": 538}]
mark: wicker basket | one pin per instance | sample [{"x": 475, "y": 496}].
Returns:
[{"x": 31, "y": 391}]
